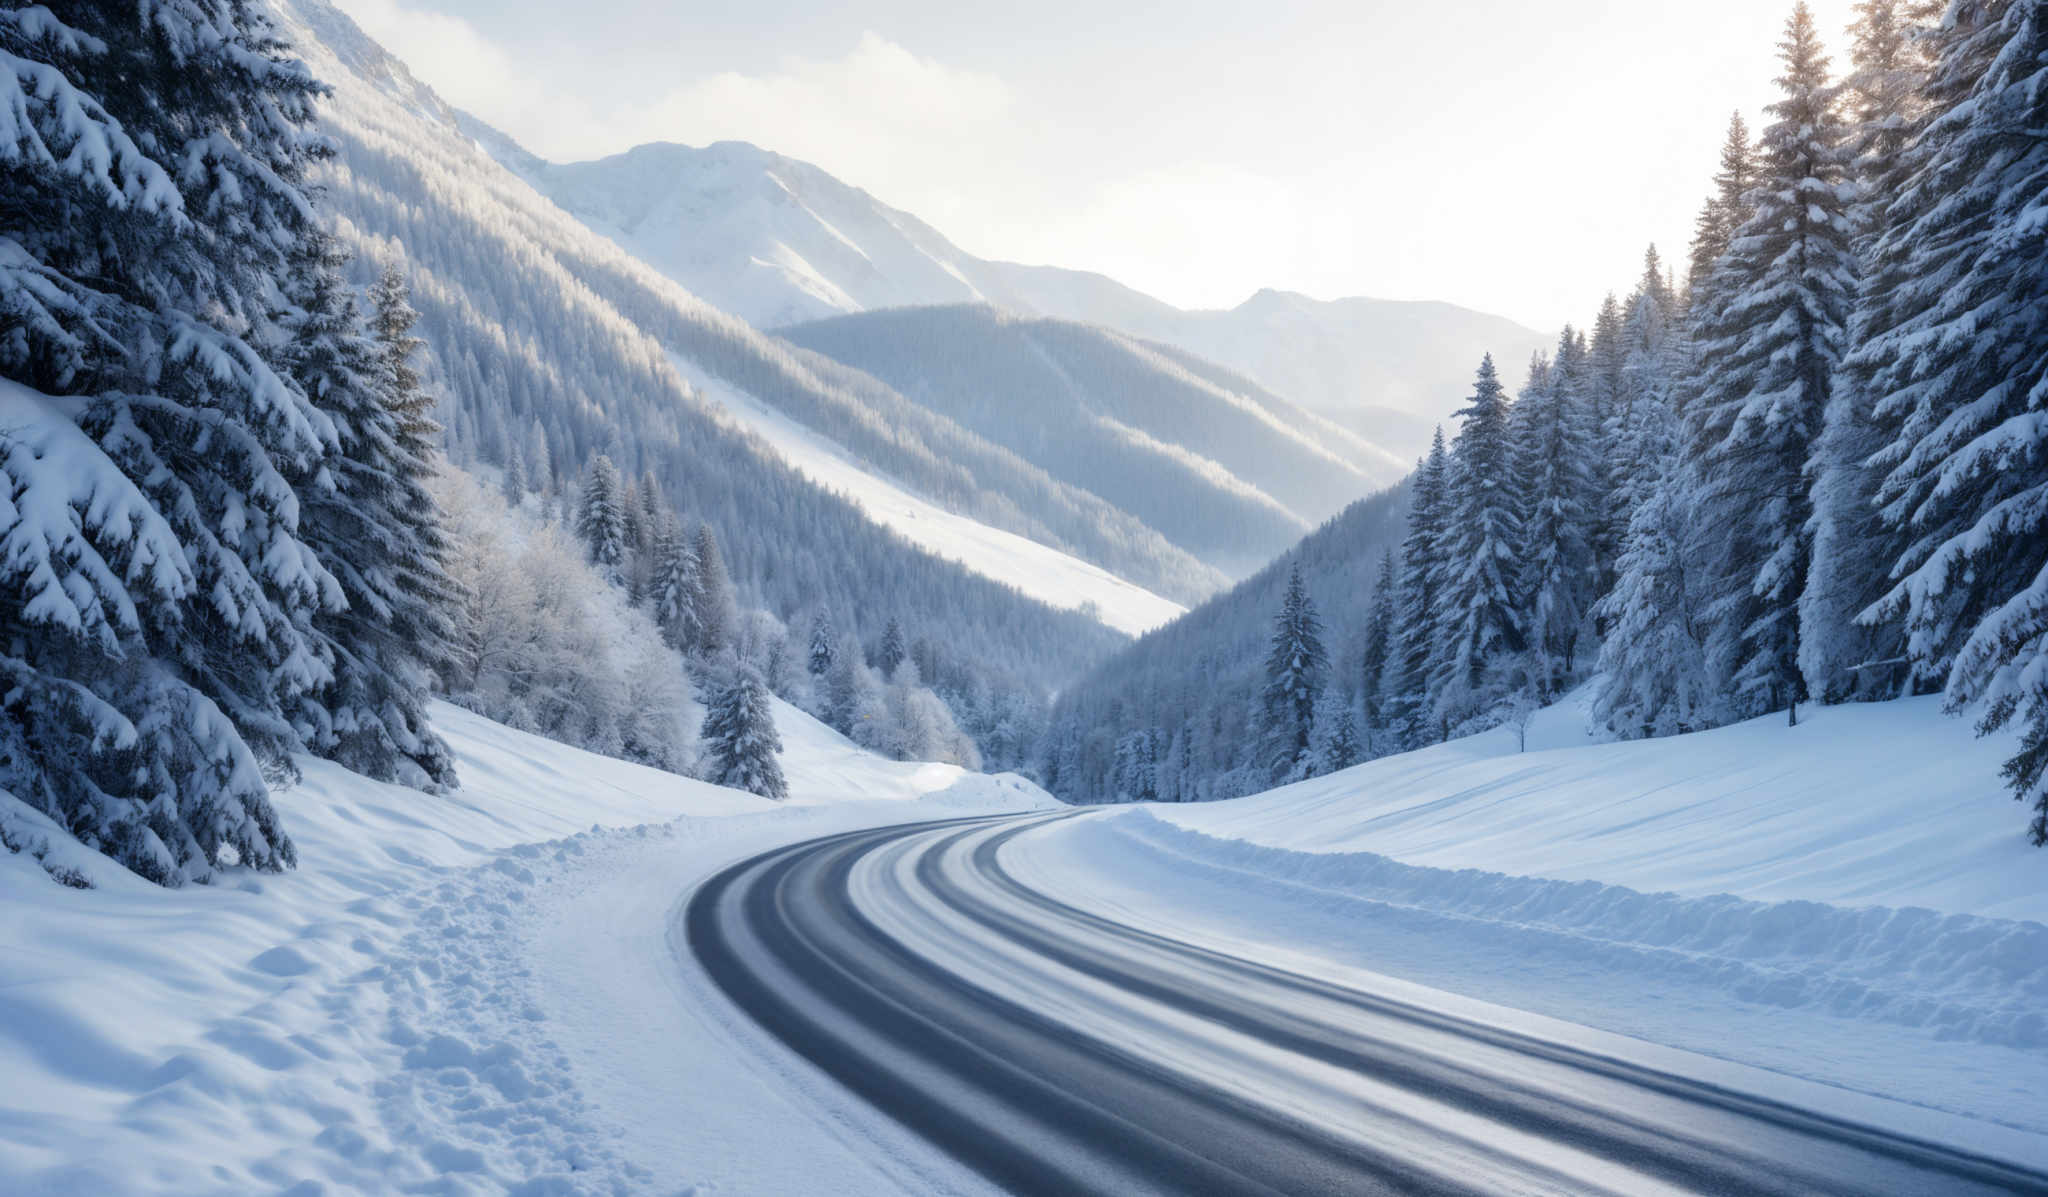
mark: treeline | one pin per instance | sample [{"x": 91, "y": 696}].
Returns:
[{"x": 1818, "y": 472}]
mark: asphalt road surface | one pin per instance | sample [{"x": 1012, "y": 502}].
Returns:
[{"x": 1057, "y": 1051}]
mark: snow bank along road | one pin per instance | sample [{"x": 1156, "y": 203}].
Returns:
[{"x": 1055, "y": 1050}]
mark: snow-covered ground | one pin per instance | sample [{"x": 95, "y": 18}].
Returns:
[
  {"x": 434, "y": 999},
  {"x": 1042, "y": 572},
  {"x": 1850, "y": 901}
]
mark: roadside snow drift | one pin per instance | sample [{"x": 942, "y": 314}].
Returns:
[
  {"x": 373, "y": 1021},
  {"x": 1851, "y": 900}
]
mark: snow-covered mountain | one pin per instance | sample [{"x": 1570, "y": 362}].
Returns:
[
  {"x": 1219, "y": 465},
  {"x": 545, "y": 338},
  {"x": 778, "y": 241}
]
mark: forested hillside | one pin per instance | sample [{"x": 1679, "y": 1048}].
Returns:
[
  {"x": 1217, "y": 464},
  {"x": 1814, "y": 473},
  {"x": 1173, "y": 717},
  {"x": 550, "y": 344}
]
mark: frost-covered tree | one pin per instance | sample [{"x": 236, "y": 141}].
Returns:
[
  {"x": 514, "y": 482},
  {"x": 601, "y": 516},
  {"x": 1728, "y": 208},
  {"x": 155, "y": 590},
  {"x": 1555, "y": 447},
  {"x": 1296, "y": 663},
  {"x": 893, "y": 650},
  {"x": 1338, "y": 744},
  {"x": 1840, "y": 657},
  {"x": 1376, "y": 656},
  {"x": 1480, "y": 612},
  {"x": 672, "y": 586},
  {"x": 1423, "y": 567},
  {"x": 740, "y": 740},
  {"x": 824, "y": 648},
  {"x": 1952, "y": 350},
  {"x": 717, "y": 609},
  {"x": 372, "y": 520},
  {"x": 1770, "y": 337},
  {"x": 1652, "y": 678}
]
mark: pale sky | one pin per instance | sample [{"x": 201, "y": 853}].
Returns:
[{"x": 1513, "y": 156}]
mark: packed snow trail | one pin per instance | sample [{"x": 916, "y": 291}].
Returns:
[{"x": 1055, "y": 1050}]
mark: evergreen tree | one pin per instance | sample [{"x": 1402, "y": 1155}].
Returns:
[
  {"x": 1378, "y": 654},
  {"x": 672, "y": 588},
  {"x": 1841, "y": 658},
  {"x": 717, "y": 610},
  {"x": 515, "y": 476},
  {"x": 843, "y": 690},
  {"x": 156, "y": 594},
  {"x": 824, "y": 644},
  {"x": 1481, "y": 621},
  {"x": 1422, "y": 579},
  {"x": 1295, "y": 665},
  {"x": 740, "y": 740},
  {"x": 1605, "y": 359},
  {"x": 1728, "y": 209},
  {"x": 1647, "y": 334},
  {"x": 1555, "y": 447},
  {"x": 1653, "y": 678},
  {"x": 1772, "y": 336},
  {"x": 1338, "y": 745},
  {"x": 1951, "y": 350},
  {"x": 892, "y": 652},
  {"x": 375, "y": 525},
  {"x": 601, "y": 519}
]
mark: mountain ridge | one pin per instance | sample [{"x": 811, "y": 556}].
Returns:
[{"x": 779, "y": 241}]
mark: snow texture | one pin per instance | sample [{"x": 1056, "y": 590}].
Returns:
[{"x": 385, "y": 1019}]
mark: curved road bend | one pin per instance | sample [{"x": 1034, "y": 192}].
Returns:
[{"x": 1057, "y": 1051}]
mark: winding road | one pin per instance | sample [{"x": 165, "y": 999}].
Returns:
[{"x": 1057, "y": 1051}]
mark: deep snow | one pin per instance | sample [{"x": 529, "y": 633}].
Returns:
[
  {"x": 380, "y": 1019},
  {"x": 1851, "y": 901}
]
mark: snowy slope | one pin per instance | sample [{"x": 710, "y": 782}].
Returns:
[
  {"x": 546, "y": 336},
  {"x": 1043, "y": 573},
  {"x": 778, "y": 241},
  {"x": 1845, "y": 902},
  {"x": 1886, "y": 804},
  {"x": 368, "y": 1021}
]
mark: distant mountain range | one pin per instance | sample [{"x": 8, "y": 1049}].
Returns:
[{"x": 778, "y": 242}]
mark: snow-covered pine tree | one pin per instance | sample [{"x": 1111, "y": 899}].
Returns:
[
  {"x": 672, "y": 586},
  {"x": 1884, "y": 98},
  {"x": 514, "y": 484},
  {"x": 374, "y": 524},
  {"x": 1338, "y": 744},
  {"x": 155, "y": 592},
  {"x": 844, "y": 686},
  {"x": 1377, "y": 653},
  {"x": 1417, "y": 642},
  {"x": 1554, "y": 454},
  {"x": 1727, "y": 209},
  {"x": 1853, "y": 552},
  {"x": 1481, "y": 612},
  {"x": 1951, "y": 349},
  {"x": 1605, "y": 359},
  {"x": 893, "y": 650},
  {"x": 601, "y": 516},
  {"x": 1647, "y": 333},
  {"x": 1770, "y": 337},
  {"x": 1296, "y": 663},
  {"x": 1652, "y": 678},
  {"x": 824, "y": 648},
  {"x": 740, "y": 740},
  {"x": 717, "y": 609}
]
